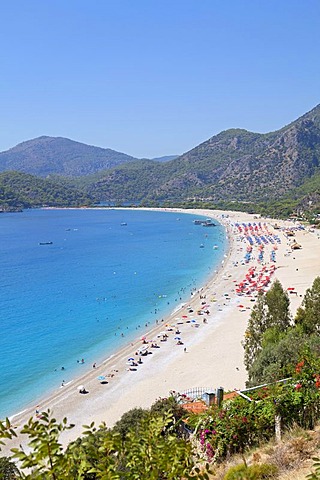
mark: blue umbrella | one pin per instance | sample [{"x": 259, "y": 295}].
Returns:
[{"x": 101, "y": 378}]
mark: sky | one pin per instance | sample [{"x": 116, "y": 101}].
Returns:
[{"x": 155, "y": 77}]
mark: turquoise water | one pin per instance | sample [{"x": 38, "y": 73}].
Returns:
[{"x": 95, "y": 288}]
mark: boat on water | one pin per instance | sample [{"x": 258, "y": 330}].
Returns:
[
  {"x": 201, "y": 246},
  {"x": 205, "y": 223},
  {"x": 208, "y": 223},
  {"x": 45, "y": 243},
  {"x": 198, "y": 222},
  {"x": 123, "y": 224}
]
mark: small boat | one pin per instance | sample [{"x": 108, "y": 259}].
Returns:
[
  {"x": 123, "y": 224},
  {"x": 45, "y": 243},
  {"x": 201, "y": 246},
  {"x": 208, "y": 223}
]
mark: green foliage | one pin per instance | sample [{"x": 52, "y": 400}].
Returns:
[
  {"x": 8, "y": 469},
  {"x": 20, "y": 190},
  {"x": 271, "y": 345},
  {"x": 252, "y": 472},
  {"x": 168, "y": 405},
  {"x": 149, "y": 451},
  {"x": 239, "y": 424},
  {"x": 46, "y": 456},
  {"x": 308, "y": 316},
  {"x": 271, "y": 311},
  {"x": 277, "y": 302},
  {"x": 278, "y": 354},
  {"x": 242, "y": 423},
  {"x": 257, "y": 326},
  {"x": 130, "y": 420},
  {"x": 316, "y": 474}
]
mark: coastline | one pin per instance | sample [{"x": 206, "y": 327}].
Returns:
[{"x": 213, "y": 357}]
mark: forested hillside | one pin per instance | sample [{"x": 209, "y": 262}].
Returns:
[
  {"x": 274, "y": 173},
  {"x": 20, "y": 190},
  {"x": 45, "y": 156}
]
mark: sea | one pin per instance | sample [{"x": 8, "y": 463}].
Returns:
[{"x": 78, "y": 284}]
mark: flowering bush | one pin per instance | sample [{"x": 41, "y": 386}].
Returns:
[{"x": 240, "y": 424}]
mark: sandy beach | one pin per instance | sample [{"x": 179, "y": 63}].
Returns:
[{"x": 211, "y": 354}]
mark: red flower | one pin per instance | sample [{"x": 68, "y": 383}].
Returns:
[
  {"x": 298, "y": 386},
  {"x": 299, "y": 366}
]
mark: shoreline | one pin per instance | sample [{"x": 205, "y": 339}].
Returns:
[
  {"x": 213, "y": 356},
  {"x": 104, "y": 357}
]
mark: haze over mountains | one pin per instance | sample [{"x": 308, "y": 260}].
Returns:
[
  {"x": 45, "y": 156},
  {"x": 235, "y": 165}
]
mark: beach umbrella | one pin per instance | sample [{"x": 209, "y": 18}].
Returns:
[
  {"x": 81, "y": 388},
  {"x": 130, "y": 359},
  {"x": 101, "y": 378},
  {"x": 184, "y": 316},
  {"x": 177, "y": 338}
]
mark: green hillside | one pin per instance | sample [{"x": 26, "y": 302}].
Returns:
[
  {"x": 46, "y": 156},
  {"x": 21, "y": 190},
  {"x": 273, "y": 173},
  {"x": 235, "y": 165}
]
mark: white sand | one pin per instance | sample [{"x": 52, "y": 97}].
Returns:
[{"x": 214, "y": 355}]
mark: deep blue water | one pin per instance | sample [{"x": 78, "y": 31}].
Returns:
[{"x": 91, "y": 291}]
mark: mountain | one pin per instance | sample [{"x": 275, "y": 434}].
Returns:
[
  {"x": 46, "y": 156},
  {"x": 279, "y": 169},
  {"x": 235, "y": 165},
  {"x": 21, "y": 190}
]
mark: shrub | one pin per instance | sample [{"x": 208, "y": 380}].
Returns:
[{"x": 252, "y": 472}]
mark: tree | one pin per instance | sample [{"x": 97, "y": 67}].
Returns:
[
  {"x": 308, "y": 315},
  {"x": 130, "y": 420},
  {"x": 257, "y": 325},
  {"x": 277, "y": 302},
  {"x": 270, "y": 313},
  {"x": 8, "y": 469},
  {"x": 276, "y": 359}
]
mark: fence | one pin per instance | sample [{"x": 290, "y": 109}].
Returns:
[{"x": 197, "y": 392}]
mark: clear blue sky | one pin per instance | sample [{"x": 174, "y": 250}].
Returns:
[{"x": 155, "y": 77}]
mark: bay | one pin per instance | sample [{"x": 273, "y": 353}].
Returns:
[{"x": 79, "y": 284}]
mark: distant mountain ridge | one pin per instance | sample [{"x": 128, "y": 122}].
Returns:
[
  {"x": 44, "y": 156},
  {"x": 235, "y": 165}
]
